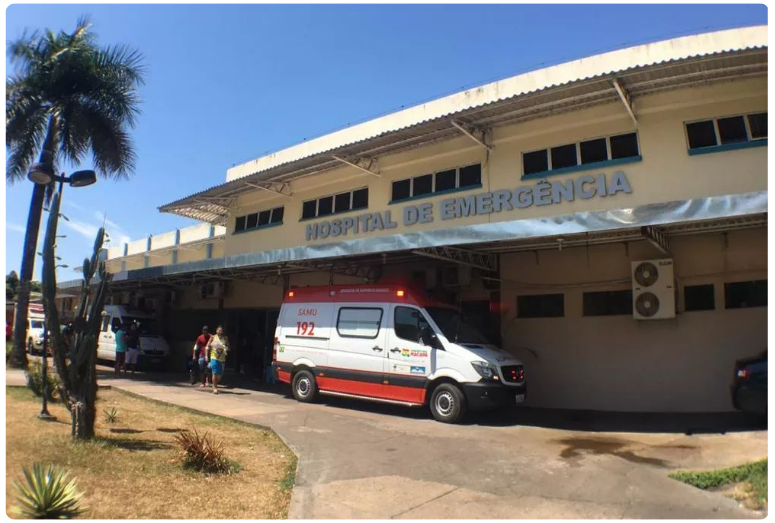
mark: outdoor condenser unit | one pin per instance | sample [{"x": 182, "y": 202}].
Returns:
[{"x": 653, "y": 290}]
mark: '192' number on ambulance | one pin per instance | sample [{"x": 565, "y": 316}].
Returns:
[{"x": 304, "y": 328}]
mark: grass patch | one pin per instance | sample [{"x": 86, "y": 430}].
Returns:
[
  {"x": 751, "y": 479},
  {"x": 132, "y": 469}
]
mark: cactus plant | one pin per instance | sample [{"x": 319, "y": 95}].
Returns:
[{"x": 46, "y": 494}]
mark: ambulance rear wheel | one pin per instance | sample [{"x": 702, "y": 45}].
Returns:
[
  {"x": 305, "y": 388},
  {"x": 448, "y": 404}
]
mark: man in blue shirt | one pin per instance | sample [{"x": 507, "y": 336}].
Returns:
[{"x": 121, "y": 339}]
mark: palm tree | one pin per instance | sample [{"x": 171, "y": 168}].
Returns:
[{"x": 68, "y": 97}]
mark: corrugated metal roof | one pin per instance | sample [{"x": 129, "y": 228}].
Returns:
[{"x": 680, "y": 62}]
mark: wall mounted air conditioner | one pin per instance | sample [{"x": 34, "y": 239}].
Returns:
[{"x": 653, "y": 290}]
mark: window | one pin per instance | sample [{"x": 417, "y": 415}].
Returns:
[
  {"x": 608, "y": 303},
  {"x": 360, "y": 199},
  {"x": 699, "y": 298},
  {"x": 446, "y": 180},
  {"x": 358, "y": 322},
  {"x": 277, "y": 215},
  {"x": 428, "y": 184},
  {"x": 564, "y": 156},
  {"x": 252, "y": 221},
  {"x": 732, "y": 130},
  {"x": 470, "y": 176},
  {"x": 701, "y": 134},
  {"x": 422, "y": 185},
  {"x": 342, "y": 202},
  {"x": 588, "y": 152},
  {"x": 258, "y": 220},
  {"x": 402, "y": 189},
  {"x": 541, "y": 306},
  {"x": 758, "y": 125},
  {"x": 309, "y": 209},
  {"x": 744, "y": 294},
  {"x": 624, "y": 146},
  {"x": 535, "y": 162},
  {"x": 409, "y": 324},
  {"x": 326, "y": 206},
  {"x": 105, "y": 323},
  {"x": 728, "y": 130},
  {"x": 594, "y": 151}
]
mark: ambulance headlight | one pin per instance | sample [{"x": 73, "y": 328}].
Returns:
[{"x": 486, "y": 370}]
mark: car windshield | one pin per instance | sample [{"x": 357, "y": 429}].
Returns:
[
  {"x": 144, "y": 325},
  {"x": 36, "y": 324},
  {"x": 454, "y": 326}
]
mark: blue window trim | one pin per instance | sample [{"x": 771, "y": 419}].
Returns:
[
  {"x": 762, "y": 142},
  {"x": 332, "y": 214},
  {"x": 583, "y": 167},
  {"x": 437, "y": 193},
  {"x": 259, "y": 228}
]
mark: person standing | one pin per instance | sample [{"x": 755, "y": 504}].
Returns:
[
  {"x": 219, "y": 347},
  {"x": 200, "y": 357},
  {"x": 132, "y": 347},
  {"x": 121, "y": 339}
]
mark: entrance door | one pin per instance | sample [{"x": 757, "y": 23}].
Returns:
[{"x": 410, "y": 354}]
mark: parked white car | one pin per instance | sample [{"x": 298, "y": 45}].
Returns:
[{"x": 35, "y": 329}]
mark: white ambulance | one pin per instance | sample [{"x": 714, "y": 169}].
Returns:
[{"x": 392, "y": 344}]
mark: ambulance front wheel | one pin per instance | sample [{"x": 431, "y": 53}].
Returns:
[
  {"x": 448, "y": 403},
  {"x": 304, "y": 386}
]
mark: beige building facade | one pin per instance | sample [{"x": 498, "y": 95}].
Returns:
[{"x": 529, "y": 203}]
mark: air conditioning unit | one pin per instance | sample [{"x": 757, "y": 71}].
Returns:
[
  {"x": 459, "y": 276},
  {"x": 653, "y": 290},
  {"x": 212, "y": 290}
]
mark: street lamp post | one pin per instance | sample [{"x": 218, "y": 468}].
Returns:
[{"x": 43, "y": 174}]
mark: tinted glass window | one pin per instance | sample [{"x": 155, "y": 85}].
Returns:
[
  {"x": 541, "y": 306},
  {"x": 239, "y": 225},
  {"x": 732, "y": 130},
  {"x": 701, "y": 134},
  {"x": 624, "y": 146},
  {"x": 277, "y": 215},
  {"x": 699, "y": 298},
  {"x": 608, "y": 303},
  {"x": 446, "y": 180},
  {"x": 758, "y": 125},
  {"x": 535, "y": 162},
  {"x": 471, "y": 175},
  {"x": 594, "y": 151},
  {"x": 743, "y": 294},
  {"x": 342, "y": 202},
  {"x": 325, "y": 206},
  {"x": 358, "y": 322},
  {"x": 564, "y": 156},
  {"x": 252, "y": 221},
  {"x": 401, "y": 189},
  {"x": 263, "y": 217},
  {"x": 360, "y": 199},
  {"x": 409, "y": 324},
  {"x": 308, "y": 209},
  {"x": 422, "y": 185}
]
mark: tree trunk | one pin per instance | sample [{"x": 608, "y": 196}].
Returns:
[
  {"x": 19, "y": 355},
  {"x": 82, "y": 416}
]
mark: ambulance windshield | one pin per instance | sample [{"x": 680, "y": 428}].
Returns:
[{"x": 454, "y": 327}]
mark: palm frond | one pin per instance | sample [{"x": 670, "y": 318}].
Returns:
[
  {"x": 28, "y": 136},
  {"x": 112, "y": 149}
]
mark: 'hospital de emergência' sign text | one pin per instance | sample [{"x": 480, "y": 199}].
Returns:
[{"x": 544, "y": 192}]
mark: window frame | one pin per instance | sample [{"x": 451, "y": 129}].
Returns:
[
  {"x": 579, "y": 165},
  {"x": 379, "y": 323},
  {"x": 520, "y": 317},
  {"x": 257, "y": 227},
  {"x": 333, "y": 196},
  {"x": 421, "y": 316},
  {"x": 685, "y": 301},
  {"x": 608, "y": 313},
  {"x": 750, "y": 142},
  {"x": 434, "y": 191},
  {"x": 726, "y": 294}
]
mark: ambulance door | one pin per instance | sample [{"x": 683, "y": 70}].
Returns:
[
  {"x": 305, "y": 332},
  {"x": 408, "y": 362}
]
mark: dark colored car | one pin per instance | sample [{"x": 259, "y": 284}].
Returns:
[{"x": 749, "y": 387}]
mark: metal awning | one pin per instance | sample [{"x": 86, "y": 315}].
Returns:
[
  {"x": 617, "y": 77},
  {"x": 653, "y": 222}
]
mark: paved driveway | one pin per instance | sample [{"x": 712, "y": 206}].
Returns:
[{"x": 362, "y": 460}]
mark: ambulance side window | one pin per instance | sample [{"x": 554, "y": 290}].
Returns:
[
  {"x": 409, "y": 324},
  {"x": 105, "y": 323},
  {"x": 359, "y": 322}
]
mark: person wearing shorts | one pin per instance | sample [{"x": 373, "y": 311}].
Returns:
[
  {"x": 219, "y": 347},
  {"x": 120, "y": 351},
  {"x": 200, "y": 357},
  {"x": 132, "y": 347}
]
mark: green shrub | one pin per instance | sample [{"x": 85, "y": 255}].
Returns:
[
  {"x": 46, "y": 494},
  {"x": 717, "y": 478},
  {"x": 34, "y": 374},
  {"x": 201, "y": 453},
  {"x": 111, "y": 415}
]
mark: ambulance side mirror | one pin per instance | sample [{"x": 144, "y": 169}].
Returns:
[{"x": 435, "y": 342}]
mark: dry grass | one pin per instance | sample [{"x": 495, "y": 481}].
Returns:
[{"x": 133, "y": 468}]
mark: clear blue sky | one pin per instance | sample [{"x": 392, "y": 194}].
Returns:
[{"x": 226, "y": 84}]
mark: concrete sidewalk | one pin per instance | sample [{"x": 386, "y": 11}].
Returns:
[{"x": 363, "y": 460}]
